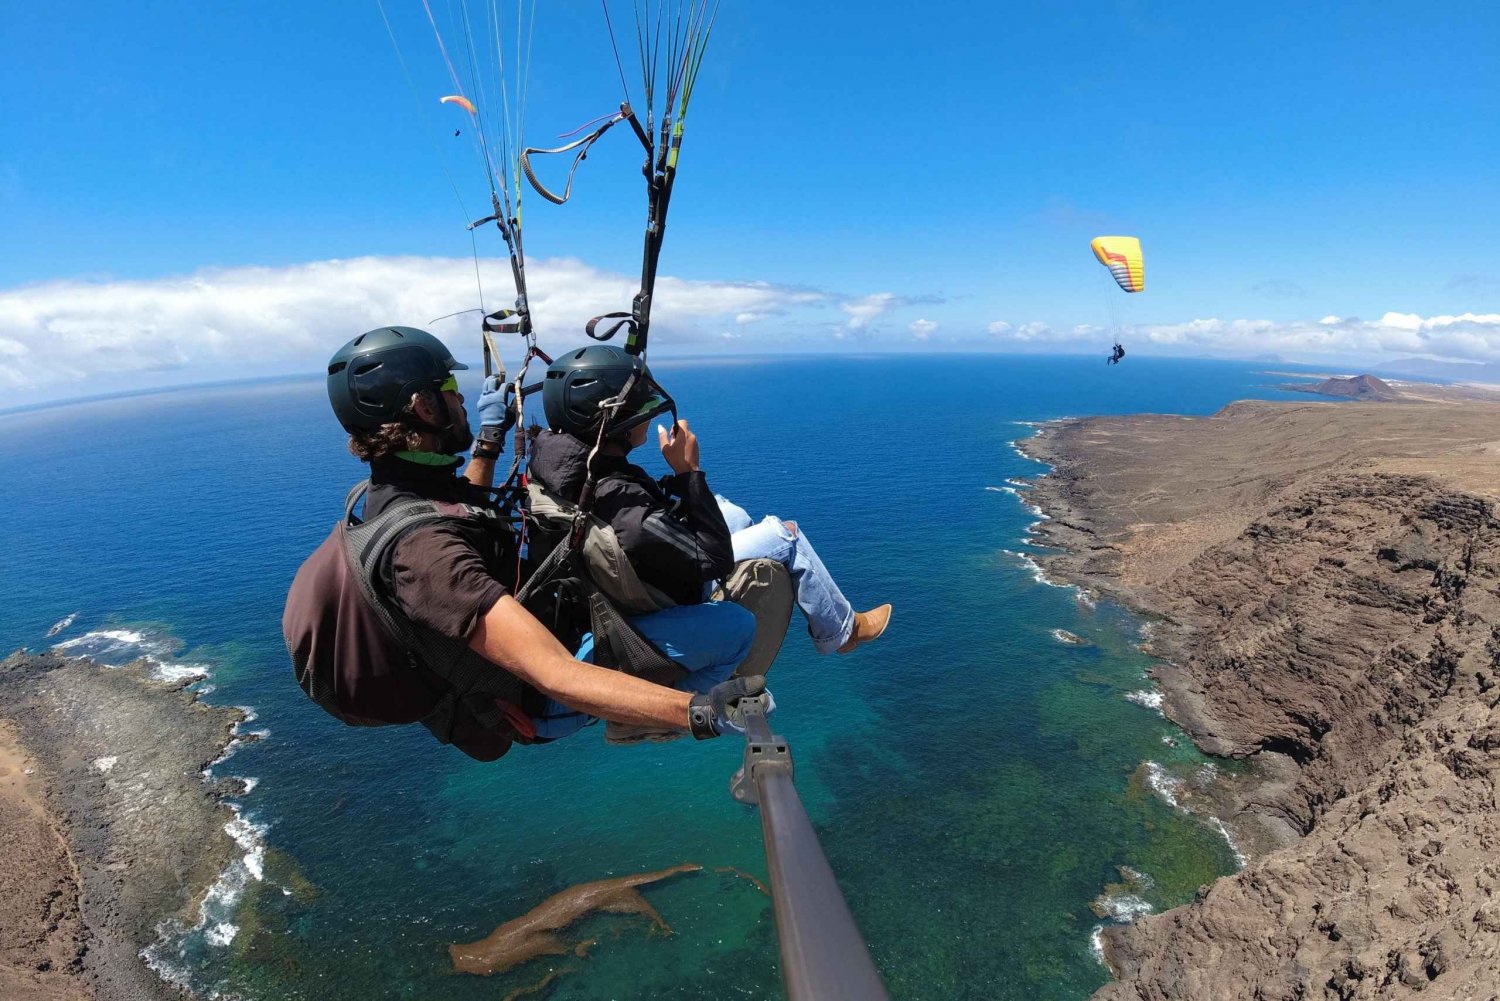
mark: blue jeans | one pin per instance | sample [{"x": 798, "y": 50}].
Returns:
[
  {"x": 708, "y": 640},
  {"x": 830, "y": 618}
]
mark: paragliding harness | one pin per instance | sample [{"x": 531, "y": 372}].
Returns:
[
  {"x": 590, "y": 585},
  {"x": 1116, "y": 354},
  {"x": 365, "y": 662},
  {"x": 577, "y": 561},
  {"x": 575, "y": 556}
]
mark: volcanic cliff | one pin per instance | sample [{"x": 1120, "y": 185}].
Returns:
[{"x": 1327, "y": 584}]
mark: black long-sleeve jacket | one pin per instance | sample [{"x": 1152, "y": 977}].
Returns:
[{"x": 671, "y": 529}]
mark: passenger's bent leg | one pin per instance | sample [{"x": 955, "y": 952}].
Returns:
[
  {"x": 735, "y": 516},
  {"x": 830, "y": 618},
  {"x": 708, "y": 640}
]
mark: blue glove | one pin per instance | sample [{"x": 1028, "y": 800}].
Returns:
[
  {"x": 718, "y": 710},
  {"x": 492, "y": 402},
  {"x": 495, "y": 418}
]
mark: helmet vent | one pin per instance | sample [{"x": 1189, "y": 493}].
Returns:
[
  {"x": 367, "y": 368},
  {"x": 337, "y": 367}
]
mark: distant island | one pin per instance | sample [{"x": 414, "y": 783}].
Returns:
[{"x": 1359, "y": 387}]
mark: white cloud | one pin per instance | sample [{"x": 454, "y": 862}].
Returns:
[
  {"x": 862, "y": 310},
  {"x": 1462, "y": 337},
  {"x": 245, "y": 321},
  {"x": 67, "y": 337}
]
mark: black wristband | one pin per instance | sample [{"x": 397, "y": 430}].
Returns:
[
  {"x": 486, "y": 454},
  {"x": 701, "y": 717}
]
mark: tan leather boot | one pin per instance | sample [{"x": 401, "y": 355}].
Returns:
[{"x": 867, "y": 626}]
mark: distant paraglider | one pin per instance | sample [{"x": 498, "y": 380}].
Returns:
[
  {"x": 462, "y": 102},
  {"x": 1122, "y": 255}
]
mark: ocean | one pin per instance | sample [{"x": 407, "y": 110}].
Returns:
[{"x": 988, "y": 795}]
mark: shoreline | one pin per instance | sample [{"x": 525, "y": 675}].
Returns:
[
  {"x": 117, "y": 833},
  {"x": 1318, "y": 579}
]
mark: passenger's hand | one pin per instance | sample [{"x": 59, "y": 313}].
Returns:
[
  {"x": 492, "y": 402},
  {"x": 720, "y": 710},
  {"x": 680, "y": 449}
]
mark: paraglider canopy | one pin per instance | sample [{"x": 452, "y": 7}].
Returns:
[{"x": 1122, "y": 255}]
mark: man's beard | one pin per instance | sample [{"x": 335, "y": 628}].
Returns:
[{"x": 455, "y": 439}]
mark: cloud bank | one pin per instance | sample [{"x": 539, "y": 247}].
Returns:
[
  {"x": 74, "y": 337},
  {"x": 246, "y": 321},
  {"x": 1472, "y": 337}
]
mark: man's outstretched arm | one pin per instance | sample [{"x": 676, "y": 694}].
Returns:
[{"x": 512, "y": 637}]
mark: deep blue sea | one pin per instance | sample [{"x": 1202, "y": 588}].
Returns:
[{"x": 976, "y": 783}]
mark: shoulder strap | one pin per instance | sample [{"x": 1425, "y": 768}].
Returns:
[
  {"x": 355, "y": 493},
  {"x": 366, "y": 544}
]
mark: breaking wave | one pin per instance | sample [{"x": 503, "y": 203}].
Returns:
[{"x": 118, "y": 647}]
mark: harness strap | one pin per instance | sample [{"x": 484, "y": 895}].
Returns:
[
  {"x": 494, "y": 323},
  {"x": 619, "y": 645},
  {"x": 621, "y": 320}
]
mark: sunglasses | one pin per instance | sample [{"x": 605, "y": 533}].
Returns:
[{"x": 450, "y": 385}]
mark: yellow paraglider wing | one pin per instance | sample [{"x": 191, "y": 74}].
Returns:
[
  {"x": 1122, "y": 255},
  {"x": 460, "y": 100}
]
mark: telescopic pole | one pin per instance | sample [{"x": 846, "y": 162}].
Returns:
[{"x": 823, "y": 955}]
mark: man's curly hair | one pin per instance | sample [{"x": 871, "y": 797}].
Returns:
[{"x": 388, "y": 439}]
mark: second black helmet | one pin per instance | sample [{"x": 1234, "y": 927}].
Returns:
[{"x": 580, "y": 382}]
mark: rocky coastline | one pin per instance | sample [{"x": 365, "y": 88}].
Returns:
[
  {"x": 109, "y": 826},
  {"x": 1325, "y": 586}
]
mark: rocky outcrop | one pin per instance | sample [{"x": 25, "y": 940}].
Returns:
[
  {"x": 1359, "y": 387},
  {"x": 126, "y": 833},
  {"x": 1345, "y": 639}
]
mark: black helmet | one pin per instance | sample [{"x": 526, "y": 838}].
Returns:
[
  {"x": 372, "y": 378},
  {"x": 579, "y": 381}
]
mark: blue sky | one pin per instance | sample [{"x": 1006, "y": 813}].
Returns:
[{"x": 1317, "y": 181}]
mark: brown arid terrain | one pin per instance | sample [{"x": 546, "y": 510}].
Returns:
[
  {"x": 1325, "y": 580},
  {"x": 107, "y": 827}
]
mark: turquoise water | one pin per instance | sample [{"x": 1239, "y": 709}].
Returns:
[{"x": 975, "y": 782}]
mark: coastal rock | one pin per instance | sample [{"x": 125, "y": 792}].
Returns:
[
  {"x": 1330, "y": 616},
  {"x": 130, "y": 833}
]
